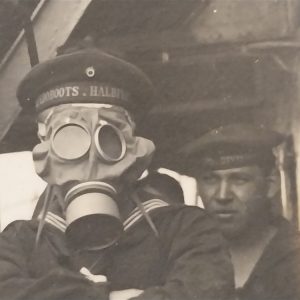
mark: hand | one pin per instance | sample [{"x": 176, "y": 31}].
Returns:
[{"x": 124, "y": 294}]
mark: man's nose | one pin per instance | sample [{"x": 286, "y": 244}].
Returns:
[{"x": 223, "y": 193}]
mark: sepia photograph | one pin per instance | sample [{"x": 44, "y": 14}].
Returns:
[{"x": 149, "y": 149}]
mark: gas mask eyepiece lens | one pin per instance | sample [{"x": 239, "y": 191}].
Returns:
[
  {"x": 71, "y": 141},
  {"x": 110, "y": 143}
]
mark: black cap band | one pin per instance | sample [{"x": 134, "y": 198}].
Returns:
[{"x": 237, "y": 160}]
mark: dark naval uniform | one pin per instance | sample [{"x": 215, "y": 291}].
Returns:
[
  {"x": 276, "y": 275},
  {"x": 179, "y": 255},
  {"x": 224, "y": 156},
  {"x": 186, "y": 261}
]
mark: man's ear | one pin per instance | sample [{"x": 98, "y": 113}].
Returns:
[{"x": 273, "y": 184}]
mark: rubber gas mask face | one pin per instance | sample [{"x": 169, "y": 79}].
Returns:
[{"x": 91, "y": 153}]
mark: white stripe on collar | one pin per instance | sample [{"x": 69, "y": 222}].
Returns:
[
  {"x": 136, "y": 214},
  {"x": 132, "y": 219}
]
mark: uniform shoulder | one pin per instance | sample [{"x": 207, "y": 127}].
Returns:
[
  {"x": 20, "y": 232},
  {"x": 183, "y": 217},
  {"x": 21, "y": 225},
  {"x": 188, "y": 210}
]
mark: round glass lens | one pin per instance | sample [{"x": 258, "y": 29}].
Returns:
[
  {"x": 71, "y": 141},
  {"x": 110, "y": 143}
]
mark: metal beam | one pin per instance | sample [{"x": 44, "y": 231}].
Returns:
[{"x": 53, "y": 22}]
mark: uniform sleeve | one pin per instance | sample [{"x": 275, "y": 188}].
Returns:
[
  {"x": 16, "y": 282},
  {"x": 281, "y": 281},
  {"x": 199, "y": 265},
  {"x": 276, "y": 276},
  {"x": 286, "y": 277}
]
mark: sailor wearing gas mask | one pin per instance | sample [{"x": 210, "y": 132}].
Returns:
[{"x": 95, "y": 237}]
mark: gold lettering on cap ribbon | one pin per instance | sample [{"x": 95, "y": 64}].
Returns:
[
  {"x": 61, "y": 92},
  {"x": 108, "y": 91},
  {"x": 81, "y": 91}
]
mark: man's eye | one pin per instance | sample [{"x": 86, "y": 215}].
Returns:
[
  {"x": 240, "y": 180},
  {"x": 209, "y": 179}
]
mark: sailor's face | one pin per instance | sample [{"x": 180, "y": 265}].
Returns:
[{"x": 235, "y": 197}]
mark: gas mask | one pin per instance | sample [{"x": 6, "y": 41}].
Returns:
[{"x": 90, "y": 152}]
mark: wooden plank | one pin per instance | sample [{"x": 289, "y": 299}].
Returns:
[
  {"x": 178, "y": 108},
  {"x": 246, "y": 21},
  {"x": 53, "y": 22}
]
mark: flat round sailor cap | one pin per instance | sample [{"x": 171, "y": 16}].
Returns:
[
  {"x": 231, "y": 146},
  {"x": 86, "y": 76}
]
